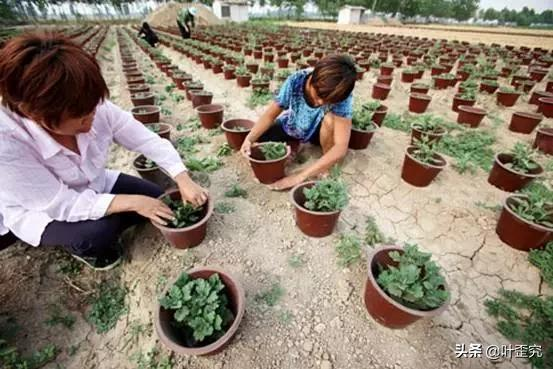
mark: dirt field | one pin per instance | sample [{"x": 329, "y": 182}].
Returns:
[
  {"x": 504, "y": 36},
  {"x": 320, "y": 322}
]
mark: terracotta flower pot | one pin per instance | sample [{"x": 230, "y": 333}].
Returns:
[
  {"x": 168, "y": 333},
  {"x": 384, "y": 309},
  {"x": 507, "y": 98},
  {"x": 380, "y": 91},
  {"x": 538, "y": 74},
  {"x": 386, "y": 70},
  {"x": 524, "y": 122},
  {"x": 155, "y": 174},
  {"x": 229, "y": 74},
  {"x": 518, "y": 232},
  {"x": 359, "y": 139},
  {"x": 544, "y": 140},
  {"x": 506, "y": 179},
  {"x": 282, "y": 63},
  {"x": 187, "y": 237},
  {"x": 419, "y": 88},
  {"x": 163, "y": 130},
  {"x": 534, "y": 99},
  {"x": 267, "y": 171},
  {"x": 143, "y": 98},
  {"x": 243, "y": 81},
  {"x": 470, "y": 115},
  {"x": 312, "y": 223},
  {"x": 380, "y": 114},
  {"x": 441, "y": 83},
  {"x": 407, "y": 77},
  {"x": 387, "y": 80},
  {"x": 258, "y": 85},
  {"x": 418, "y": 102},
  {"x": 417, "y": 173},
  {"x": 138, "y": 88},
  {"x": 146, "y": 113},
  {"x": 201, "y": 98},
  {"x": 457, "y": 101},
  {"x": 211, "y": 115},
  {"x": 435, "y": 136},
  {"x": 546, "y": 106},
  {"x": 252, "y": 68},
  {"x": 235, "y": 137},
  {"x": 489, "y": 88},
  {"x": 549, "y": 86}
]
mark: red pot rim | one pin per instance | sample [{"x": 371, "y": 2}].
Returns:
[
  {"x": 508, "y": 208},
  {"x": 502, "y": 165},
  {"x": 383, "y": 86},
  {"x": 472, "y": 109},
  {"x": 546, "y": 131},
  {"x": 226, "y": 129},
  {"x": 420, "y": 313},
  {"x": 288, "y": 151},
  {"x": 546, "y": 100},
  {"x": 420, "y": 96},
  {"x": 304, "y": 209},
  {"x": 209, "y": 108},
  {"x": 375, "y": 128},
  {"x": 231, "y": 331},
  {"x": 209, "y": 212},
  {"x": 143, "y": 169},
  {"x": 149, "y": 95},
  {"x": 152, "y": 109},
  {"x": 425, "y": 164},
  {"x": 164, "y": 127},
  {"x": 442, "y": 131},
  {"x": 530, "y": 115}
]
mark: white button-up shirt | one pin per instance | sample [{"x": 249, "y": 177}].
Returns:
[{"x": 42, "y": 181}]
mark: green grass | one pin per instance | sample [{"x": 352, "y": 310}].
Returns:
[
  {"x": 108, "y": 306},
  {"x": 10, "y": 357},
  {"x": 397, "y": 122},
  {"x": 224, "y": 208},
  {"x": 349, "y": 250},
  {"x": 224, "y": 150},
  {"x": 491, "y": 207},
  {"x": 259, "y": 99},
  {"x": 207, "y": 164},
  {"x": 152, "y": 359},
  {"x": 58, "y": 318},
  {"x": 296, "y": 261},
  {"x": 236, "y": 191},
  {"x": 471, "y": 149},
  {"x": 543, "y": 260},
  {"x": 70, "y": 267},
  {"x": 286, "y": 317},
  {"x": 271, "y": 296}
]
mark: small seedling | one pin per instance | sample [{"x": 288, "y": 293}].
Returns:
[
  {"x": 108, "y": 306},
  {"x": 225, "y": 208},
  {"x": 224, "y": 150},
  {"x": 271, "y": 296},
  {"x": 72, "y": 350},
  {"x": 10, "y": 357},
  {"x": 207, "y": 164},
  {"x": 491, "y": 207},
  {"x": 373, "y": 235},
  {"x": 215, "y": 132},
  {"x": 236, "y": 191},
  {"x": 543, "y": 260},
  {"x": 470, "y": 148},
  {"x": 273, "y": 150},
  {"x": 395, "y": 121},
  {"x": 296, "y": 261},
  {"x": 185, "y": 213},
  {"x": 165, "y": 111},
  {"x": 152, "y": 359},
  {"x": 348, "y": 249},
  {"x": 286, "y": 317},
  {"x": 57, "y": 318},
  {"x": 329, "y": 194}
]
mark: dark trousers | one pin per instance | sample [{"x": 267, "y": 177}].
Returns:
[
  {"x": 184, "y": 31},
  {"x": 95, "y": 238},
  {"x": 277, "y": 134}
]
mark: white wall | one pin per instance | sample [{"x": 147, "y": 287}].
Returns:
[
  {"x": 344, "y": 16},
  {"x": 217, "y": 8},
  {"x": 239, "y": 13}
]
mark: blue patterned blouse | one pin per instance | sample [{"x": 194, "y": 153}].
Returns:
[{"x": 300, "y": 120}]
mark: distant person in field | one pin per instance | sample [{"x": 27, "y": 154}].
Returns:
[
  {"x": 313, "y": 106},
  {"x": 185, "y": 21},
  {"x": 56, "y": 129},
  {"x": 148, "y": 34}
]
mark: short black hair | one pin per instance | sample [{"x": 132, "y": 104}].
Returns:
[{"x": 334, "y": 78}]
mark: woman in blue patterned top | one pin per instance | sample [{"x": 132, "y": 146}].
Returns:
[{"x": 315, "y": 106}]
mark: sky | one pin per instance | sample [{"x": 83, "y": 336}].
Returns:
[{"x": 537, "y": 5}]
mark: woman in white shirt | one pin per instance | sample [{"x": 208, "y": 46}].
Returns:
[{"x": 56, "y": 127}]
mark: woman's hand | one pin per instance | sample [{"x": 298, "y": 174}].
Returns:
[
  {"x": 287, "y": 182},
  {"x": 191, "y": 191},
  {"x": 153, "y": 209},
  {"x": 246, "y": 148}
]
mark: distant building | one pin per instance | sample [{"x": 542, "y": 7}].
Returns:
[
  {"x": 231, "y": 10},
  {"x": 351, "y": 14}
]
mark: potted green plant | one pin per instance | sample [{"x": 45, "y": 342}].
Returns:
[
  {"x": 514, "y": 170},
  {"x": 146, "y": 113},
  {"x": 150, "y": 171},
  {"x": 404, "y": 285},
  {"x": 189, "y": 227},
  {"x": 507, "y": 96},
  {"x": 261, "y": 83},
  {"x": 229, "y": 71},
  {"x": 466, "y": 98},
  {"x": 408, "y": 75},
  {"x": 268, "y": 161},
  {"x": 162, "y": 129},
  {"x": 318, "y": 205},
  {"x": 362, "y": 129},
  {"x": 526, "y": 221},
  {"x": 443, "y": 81},
  {"x": 243, "y": 77},
  {"x": 422, "y": 163},
  {"x": 200, "y": 311},
  {"x": 429, "y": 126},
  {"x": 378, "y": 109}
]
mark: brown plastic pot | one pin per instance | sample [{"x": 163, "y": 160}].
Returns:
[
  {"x": 359, "y": 139},
  {"x": 190, "y": 90},
  {"x": 380, "y": 114},
  {"x": 507, "y": 98},
  {"x": 187, "y": 237},
  {"x": 267, "y": 171},
  {"x": 435, "y": 136},
  {"x": 386, "y": 70},
  {"x": 155, "y": 174},
  {"x": 417, "y": 173},
  {"x": 386, "y": 80},
  {"x": 419, "y": 88},
  {"x": 211, "y": 115},
  {"x": 546, "y": 106},
  {"x": 470, "y": 115},
  {"x": 506, "y": 179},
  {"x": 549, "y": 86},
  {"x": 534, "y": 99},
  {"x": 138, "y": 88},
  {"x": 441, "y": 83},
  {"x": 243, "y": 81},
  {"x": 519, "y": 233},
  {"x": 457, "y": 101},
  {"x": 418, "y": 102},
  {"x": 312, "y": 223},
  {"x": 235, "y": 137},
  {"x": 544, "y": 140},
  {"x": 524, "y": 122},
  {"x": 164, "y": 130},
  {"x": 143, "y": 98},
  {"x": 379, "y": 305},
  {"x": 146, "y": 113},
  {"x": 407, "y": 77},
  {"x": 252, "y": 68},
  {"x": 380, "y": 91},
  {"x": 168, "y": 333},
  {"x": 201, "y": 98},
  {"x": 229, "y": 74},
  {"x": 489, "y": 88}
]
